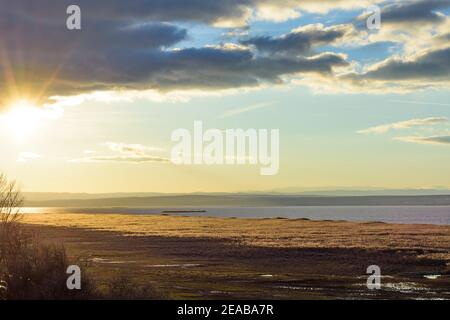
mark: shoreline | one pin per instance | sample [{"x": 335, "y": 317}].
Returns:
[{"x": 434, "y": 215}]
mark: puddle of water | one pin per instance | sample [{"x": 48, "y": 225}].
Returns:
[
  {"x": 266, "y": 275},
  {"x": 404, "y": 287},
  {"x": 432, "y": 276},
  {"x": 298, "y": 288},
  {"x": 185, "y": 265},
  {"x": 381, "y": 276},
  {"x": 218, "y": 292},
  {"x": 103, "y": 260}
]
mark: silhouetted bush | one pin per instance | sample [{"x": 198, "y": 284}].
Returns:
[
  {"x": 38, "y": 271},
  {"x": 32, "y": 269}
]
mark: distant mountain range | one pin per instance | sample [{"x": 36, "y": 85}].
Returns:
[
  {"x": 264, "y": 200},
  {"x": 365, "y": 192},
  {"x": 50, "y": 196}
]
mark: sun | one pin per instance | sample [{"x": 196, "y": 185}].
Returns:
[{"x": 22, "y": 118}]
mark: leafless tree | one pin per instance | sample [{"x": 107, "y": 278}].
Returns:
[
  {"x": 10, "y": 216},
  {"x": 10, "y": 203}
]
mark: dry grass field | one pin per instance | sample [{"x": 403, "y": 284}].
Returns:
[
  {"x": 282, "y": 233},
  {"x": 198, "y": 257}
]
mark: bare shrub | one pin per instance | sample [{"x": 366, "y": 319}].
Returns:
[
  {"x": 33, "y": 269},
  {"x": 29, "y": 268}
]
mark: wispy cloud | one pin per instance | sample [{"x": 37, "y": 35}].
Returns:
[
  {"x": 129, "y": 153},
  {"x": 136, "y": 149},
  {"x": 405, "y": 125},
  {"x": 421, "y": 102},
  {"x": 126, "y": 159},
  {"x": 441, "y": 140},
  {"x": 253, "y": 107},
  {"x": 27, "y": 156}
]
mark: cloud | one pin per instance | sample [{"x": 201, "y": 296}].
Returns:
[
  {"x": 439, "y": 140},
  {"x": 411, "y": 12},
  {"x": 119, "y": 50},
  {"x": 212, "y": 68},
  {"x": 412, "y": 25},
  {"x": 40, "y": 59},
  {"x": 442, "y": 38},
  {"x": 204, "y": 11},
  {"x": 131, "y": 153},
  {"x": 234, "y": 112},
  {"x": 125, "y": 159},
  {"x": 429, "y": 65},
  {"x": 428, "y": 69},
  {"x": 209, "y": 68},
  {"x": 219, "y": 13},
  {"x": 421, "y": 102},
  {"x": 300, "y": 40},
  {"x": 136, "y": 149},
  {"x": 131, "y": 47},
  {"x": 27, "y": 156},
  {"x": 313, "y": 6},
  {"x": 405, "y": 125}
]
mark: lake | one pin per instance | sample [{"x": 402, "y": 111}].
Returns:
[{"x": 394, "y": 214}]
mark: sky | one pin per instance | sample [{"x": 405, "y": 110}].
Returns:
[{"x": 93, "y": 110}]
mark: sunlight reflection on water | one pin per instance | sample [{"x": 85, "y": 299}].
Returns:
[{"x": 394, "y": 214}]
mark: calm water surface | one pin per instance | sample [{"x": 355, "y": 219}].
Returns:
[{"x": 396, "y": 214}]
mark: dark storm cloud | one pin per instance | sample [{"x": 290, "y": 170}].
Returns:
[{"x": 298, "y": 41}]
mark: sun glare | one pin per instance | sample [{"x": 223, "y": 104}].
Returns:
[{"x": 22, "y": 118}]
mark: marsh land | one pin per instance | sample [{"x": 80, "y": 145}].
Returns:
[{"x": 274, "y": 258}]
